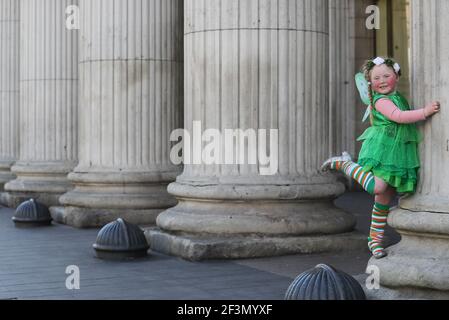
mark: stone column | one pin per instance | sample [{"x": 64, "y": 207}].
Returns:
[
  {"x": 256, "y": 64},
  {"x": 131, "y": 97},
  {"x": 365, "y": 48},
  {"x": 9, "y": 89},
  {"x": 342, "y": 90},
  {"x": 418, "y": 266},
  {"x": 48, "y": 103}
]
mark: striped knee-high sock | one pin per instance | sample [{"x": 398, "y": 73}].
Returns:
[
  {"x": 378, "y": 223},
  {"x": 354, "y": 171}
]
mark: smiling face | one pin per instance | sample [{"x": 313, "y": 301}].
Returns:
[{"x": 383, "y": 79}]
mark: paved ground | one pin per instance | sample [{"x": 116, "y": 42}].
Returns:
[{"x": 33, "y": 264}]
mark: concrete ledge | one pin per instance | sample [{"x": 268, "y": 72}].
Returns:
[
  {"x": 97, "y": 218},
  {"x": 251, "y": 246}
]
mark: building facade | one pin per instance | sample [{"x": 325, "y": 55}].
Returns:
[{"x": 87, "y": 117}]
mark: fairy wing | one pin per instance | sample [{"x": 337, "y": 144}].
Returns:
[{"x": 362, "y": 87}]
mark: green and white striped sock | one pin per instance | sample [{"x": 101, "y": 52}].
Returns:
[
  {"x": 377, "y": 230},
  {"x": 354, "y": 171}
]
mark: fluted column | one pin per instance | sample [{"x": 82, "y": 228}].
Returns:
[
  {"x": 365, "y": 48},
  {"x": 342, "y": 91},
  {"x": 256, "y": 65},
  {"x": 418, "y": 266},
  {"x": 130, "y": 101},
  {"x": 48, "y": 102},
  {"x": 9, "y": 89}
]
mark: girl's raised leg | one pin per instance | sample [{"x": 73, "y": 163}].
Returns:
[
  {"x": 373, "y": 185},
  {"x": 351, "y": 169}
]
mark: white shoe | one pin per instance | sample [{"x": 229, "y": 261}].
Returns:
[
  {"x": 344, "y": 157},
  {"x": 380, "y": 254}
]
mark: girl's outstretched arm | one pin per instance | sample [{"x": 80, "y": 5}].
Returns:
[{"x": 393, "y": 113}]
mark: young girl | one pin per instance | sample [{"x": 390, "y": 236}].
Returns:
[{"x": 388, "y": 161}]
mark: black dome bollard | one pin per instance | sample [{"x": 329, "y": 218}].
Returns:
[
  {"x": 325, "y": 283},
  {"x": 31, "y": 213},
  {"x": 120, "y": 240}
]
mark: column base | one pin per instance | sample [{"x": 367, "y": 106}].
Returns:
[
  {"x": 102, "y": 197},
  {"x": 4, "y": 179},
  {"x": 251, "y": 218},
  {"x": 198, "y": 229},
  {"x": 419, "y": 264},
  {"x": 266, "y": 218},
  {"x": 204, "y": 247},
  {"x": 4, "y": 199},
  {"x": 402, "y": 293},
  {"x": 5, "y": 174},
  {"x": 43, "y": 181},
  {"x": 97, "y": 218}
]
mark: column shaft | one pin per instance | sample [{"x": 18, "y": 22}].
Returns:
[{"x": 342, "y": 90}]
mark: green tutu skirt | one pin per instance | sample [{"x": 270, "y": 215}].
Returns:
[{"x": 391, "y": 154}]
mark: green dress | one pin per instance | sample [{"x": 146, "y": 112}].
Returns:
[{"x": 390, "y": 149}]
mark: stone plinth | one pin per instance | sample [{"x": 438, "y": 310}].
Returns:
[
  {"x": 131, "y": 98},
  {"x": 420, "y": 261}
]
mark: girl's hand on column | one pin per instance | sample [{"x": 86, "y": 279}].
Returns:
[{"x": 431, "y": 109}]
